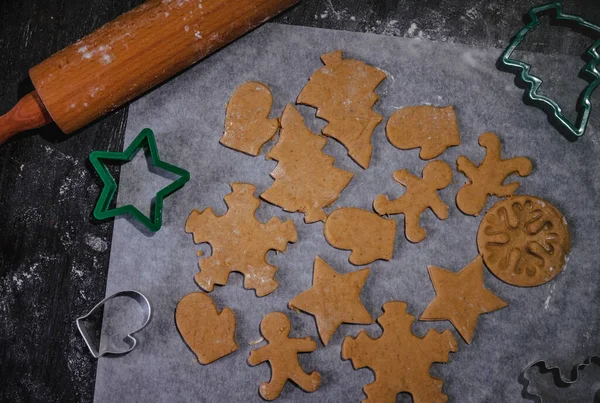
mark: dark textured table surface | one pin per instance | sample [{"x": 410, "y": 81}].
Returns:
[{"x": 54, "y": 255}]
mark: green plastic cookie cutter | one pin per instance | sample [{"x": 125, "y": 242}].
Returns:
[
  {"x": 589, "y": 72},
  {"x": 143, "y": 140}
]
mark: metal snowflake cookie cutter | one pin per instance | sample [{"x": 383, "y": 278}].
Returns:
[
  {"x": 590, "y": 72},
  {"x": 129, "y": 339},
  {"x": 143, "y": 140},
  {"x": 556, "y": 374}
]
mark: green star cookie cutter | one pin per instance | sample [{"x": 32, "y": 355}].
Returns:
[
  {"x": 143, "y": 140},
  {"x": 589, "y": 72}
]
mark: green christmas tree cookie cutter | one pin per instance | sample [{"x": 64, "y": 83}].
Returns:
[
  {"x": 143, "y": 140},
  {"x": 590, "y": 72}
]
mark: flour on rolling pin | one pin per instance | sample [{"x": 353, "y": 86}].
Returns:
[{"x": 129, "y": 56}]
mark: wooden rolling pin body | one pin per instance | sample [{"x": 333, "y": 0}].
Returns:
[{"x": 139, "y": 50}]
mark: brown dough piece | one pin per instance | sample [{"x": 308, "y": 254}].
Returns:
[
  {"x": 210, "y": 334},
  {"x": 282, "y": 355},
  {"x": 461, "y": 297},
  {"x": 305, "y": 178},
  {"x": 247, "y": 123},
  {"x": 333, "y": 299},
  {"x": 524, "y": 241},
  {"x": 399, "y": 359},
  {"x": 488, "y": 178},
  {"x": 343, "y": 91},
  {"x": 431, "y": 128},
  {"x": 367, "y": 235},
  {"x": 420, "y": 195},
  {"x": 239, "y": 242}
]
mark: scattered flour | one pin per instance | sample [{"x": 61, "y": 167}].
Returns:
[{"x": 97, "y": 244}]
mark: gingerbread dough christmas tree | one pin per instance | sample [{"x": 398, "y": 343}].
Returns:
[
  {"x": 239, "y": 242},
  {"x": 344, "y": 93},
  {"x": 210, "y": 334},
  {"x": 461, "y": 297},
  {"x": 247, "y": 123},
  {"x": 420, "y": 195},
  {"x": 488, "y": 178},
  {"x": 333, "y": 299},
  {"x": 399, "y": 359},
  {"x": 282, "y": 354},
  {"x": 305, "y": 178}
]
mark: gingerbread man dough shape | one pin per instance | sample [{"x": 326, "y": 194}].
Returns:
[
  {"x": 420, "y": 195},
  {"x": 239, "y": 242},
  {"x": 247, "y": 123},
  {"x": 431, "y": 128},
  {"x": 210, "y": 334},
  {"x": 343, "y": 91},
  {"x": 399, "y": 359},
  {"x": 282, "y": 354},
  {"x": 488, "y": 178}
]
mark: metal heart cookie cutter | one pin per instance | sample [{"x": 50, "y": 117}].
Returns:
[
  {"x": 556, "y": 373},
  {"x": 589, "y": 72},
  {"x": 129, "y": 339}
]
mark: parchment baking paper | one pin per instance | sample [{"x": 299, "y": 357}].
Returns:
[{"x": 558, "y": 321}]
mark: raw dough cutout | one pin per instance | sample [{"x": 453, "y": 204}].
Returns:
[
  {"x": 305, "y": 178},
  {"x": 239, "y": 242},
  {"x": 420, "y": 195},
  {"x": 399, "y": 359},
  {"x": 210, "y": 334},
  {"x": 367, "y": 235},
  {"x": 488, "y": 178},
  {"x": 461, "y": 297},
  {"x": 431, "y": 128},
  {"x": 333, "y": 299},
  {"x": 524, "y": 241},
  {"x": 282, "y": 354},
  {"x": 343, "y": 91},
  {"x": 247, "y": 123}
]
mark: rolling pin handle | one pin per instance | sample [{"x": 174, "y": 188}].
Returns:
[{"x": 29, "y": 113}]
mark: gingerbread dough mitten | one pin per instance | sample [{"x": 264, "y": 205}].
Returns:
[
  {"x": 400, "y": 360},
  {"x": 524, "y": 241},
  {"x": 420, "y": 195},
  {"x": 210, "y": 334},
  {"x": 247, "y": 123},
  {"x": 239, "y": 242},
  {"x": 343, "y": 91},
  {"x": 461, "y": 297},
  {"x": 282, "y": 355},
  {"x": 431, "y": 128},
  {"x": 367, "y": 235},
  {"x": 488, "y": 178},
  {"x": 333, "y": 299},
  {"x": 305, "y": 178}
]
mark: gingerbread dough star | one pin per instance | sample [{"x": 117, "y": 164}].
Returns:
[
  {"x": 333, "y": 299},
  {"x": 461, "y": 297}
]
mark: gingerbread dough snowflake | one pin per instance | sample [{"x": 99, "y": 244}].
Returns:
[
  {"x": 305, "y": 178},
  {"x": 343, "y": 91},
  {"x": 239, "y": 242},
  {"x": 488, "y": 178},
  {"x": 420, "y": 195},
  {"x": 247, "y": 123},
  {"x": 400, "y": 360},
  {"x": 282, "y": 354}
]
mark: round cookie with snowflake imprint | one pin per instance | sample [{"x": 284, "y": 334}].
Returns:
[{"x": 524, "y": 241}]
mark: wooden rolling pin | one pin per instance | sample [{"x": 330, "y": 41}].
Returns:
[{"x": 127, "y": 57}]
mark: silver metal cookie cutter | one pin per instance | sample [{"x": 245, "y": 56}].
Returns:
[
  {"x": 129, "y": 339},
  {"x": 556, "y": 374}
]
